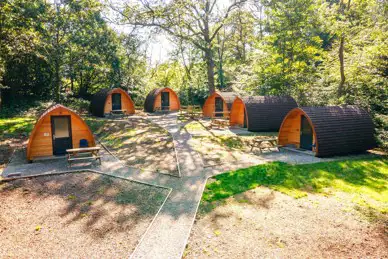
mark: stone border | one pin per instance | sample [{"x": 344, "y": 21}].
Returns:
[{"x": 195, "y": 215}]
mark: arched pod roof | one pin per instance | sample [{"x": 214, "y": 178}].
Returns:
[
  {"x": 57, "y": 109},
  {"x": 99, "y": 99},
  {"x": 228, "y": 97},
  {"x": 208, "y": 107},
  {"x": 151, "y": 97},
  {"x": 339, "y": 130},
  {"x": 266, "y": 113}
]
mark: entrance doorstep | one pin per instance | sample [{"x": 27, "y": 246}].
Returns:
[
  {"x": 46, "y": 158},
  {"x": 299, "y": 150}
]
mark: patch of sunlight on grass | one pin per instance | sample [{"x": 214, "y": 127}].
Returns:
[
  {"x": 194, "y": 125},
  {"x": 16, "y": 125},
  {"x": 366, "y": 178},
  {"x": 94, "y": 124}
]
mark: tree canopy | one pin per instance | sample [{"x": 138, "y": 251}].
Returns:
[{"x": 321, "y": 52}]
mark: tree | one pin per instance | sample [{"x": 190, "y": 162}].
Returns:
[
  {"x": 196, "y": 22},
  {"x": 291, "y": 49}
]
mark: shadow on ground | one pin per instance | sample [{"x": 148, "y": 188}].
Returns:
[{"x": 101, "y": 204}]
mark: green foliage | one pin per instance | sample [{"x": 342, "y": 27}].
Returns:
[
  {"x": 67, "y": 51},
  {"x": 12, "y": 127},
  {"x": 366, "y": 179},
  {"x": 51, "y": 51},
  {"x": 77, "y": 104}
]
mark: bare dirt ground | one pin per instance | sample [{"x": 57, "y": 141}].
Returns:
[
  {"x": 217, "y": 150},
  {"x": 268, "y": 224},
  {"x": 81, "y": 215},
  {"x": 139, "y": 143}
]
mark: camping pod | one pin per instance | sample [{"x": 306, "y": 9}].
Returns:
[
  {"x": 56, "y": 130},
  {"x": 260, "y": 113},
  {"x": 111, "y": 100},
  {"x": 162, "y": 99},
  {"x": 218, "y": 104},
  {"x": 328, "y": 131}
]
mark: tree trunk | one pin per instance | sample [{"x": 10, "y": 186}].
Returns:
[
  {"x": 210, "y": 70},
  {"x": 71, "y": 72},
  {"x": 341, "y": 85},
  {"x": 221, "y": 61},
  {"x": 56, "y": 80}
]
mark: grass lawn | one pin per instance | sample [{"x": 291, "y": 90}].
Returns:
[
  {"x": 138, "y": 142},
  {"x": 277, "y": 210},
  {"x": 366, "y": 180},
  {"x": 13, "y": 132},
  {"x": 12, "y": 127}
]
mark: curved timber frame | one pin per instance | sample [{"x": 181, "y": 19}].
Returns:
[
  {"x": 40, "y": 143},
  {"x": 260, "y": 113},
  {"x": 154, "y": 100},
  {"x": 289, "y": 132},
  {"x": 336, "y": 130},
  {"x": 209, "y": 107},
  {"x": 238, "y": 113},
  {"x": 102, "y": 102}
]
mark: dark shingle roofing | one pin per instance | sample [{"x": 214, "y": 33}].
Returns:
[
  {"x": 150, "y": 99},
  {"x": 266, "y": 113},
  {"x": 341, "y": 129},
  {"x": 228, "y": 98},
  {"x": 98, "y": 102}
]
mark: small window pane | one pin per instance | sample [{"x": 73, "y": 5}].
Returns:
[{"x": 61, "y": 127}]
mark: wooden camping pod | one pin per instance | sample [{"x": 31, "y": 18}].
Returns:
[
  {"x": 41, "y": 142},
  {"x": 328, "y": 131},
  {"x": 260, "y": 113},
  {"x": 107, "y": 100},
  {"x": 226, "y": 98},
  {"x": 162, "y": 99}
]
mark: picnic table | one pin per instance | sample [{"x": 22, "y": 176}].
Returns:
[
  {"x": 220, "y": 121},
  {"x": 162, "y": 108},
  {"x": 84, "y": 153},
  {"x": 191, "y": 111},
  {"x": 118, "y": 111},
  {"x": 258, "y": 143}
]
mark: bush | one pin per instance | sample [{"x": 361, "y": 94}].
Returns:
[{"x": 77, "y": 104}]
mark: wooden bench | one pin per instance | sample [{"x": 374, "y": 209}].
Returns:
[
  {"x": 118, "y": 111},
  {"x": 81, "y": 154},
  {"x": 191, "y": 112},
  {"x": 258, "y": 143},
  {"x": 162, "y": 109},
  {"x": 220, "y": 121}
]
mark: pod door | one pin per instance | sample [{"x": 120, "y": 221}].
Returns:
[
  {"x": 116, "y": 101},
  {"x": 245, "y": 119},
  {"x": 219, "y": 107},
  {"x": 306, "y": 134},
  {"x": 61, "y": 134},
  {"x": 165, "y": 100}
]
